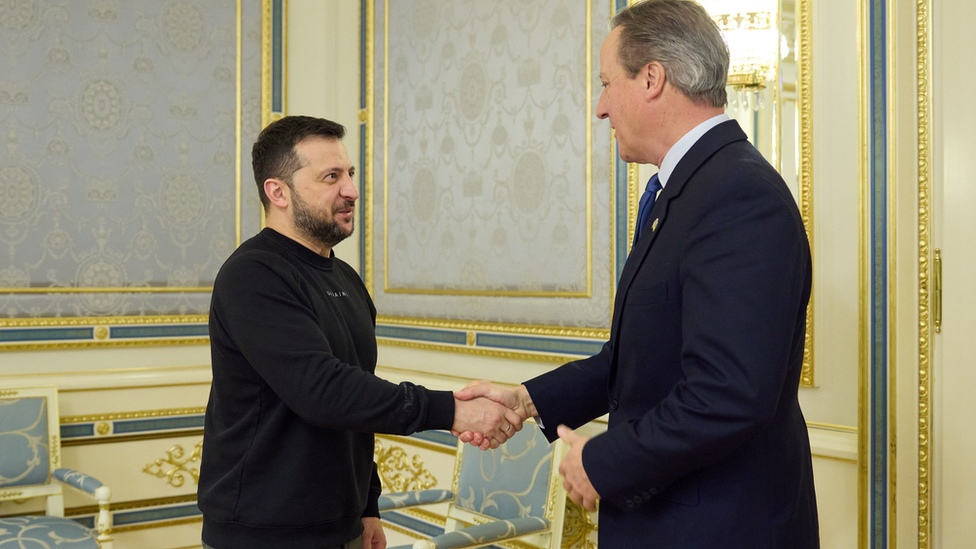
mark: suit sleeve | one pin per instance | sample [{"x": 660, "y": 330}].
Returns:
[
  {"x": 743, "y": 267},
  {"x": 572, "y": 394}
]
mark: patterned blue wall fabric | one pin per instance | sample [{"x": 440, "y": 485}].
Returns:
[
  {"x": 117, "y": 167},
  {"x": 23, "y": 442}
]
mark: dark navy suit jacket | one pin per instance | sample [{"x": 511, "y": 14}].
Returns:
[{"x": 706, "y": 446}]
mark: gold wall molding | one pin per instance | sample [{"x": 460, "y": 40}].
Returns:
[
  {"x": 164, "y": 435},
  {"x": 176, "y": 474},
  {"x": 160, "y": 386},
  {"x": 61, "y": 322},
  {"x": 100, "y": 334},
  {"x": 923, "y": 52},
  {"x": 265, "y": 69},
  {"x": 398, "y": 472},
  {"x": 804, "y": 61},
  {"x": 864, "y": 283},
  {"x": 132, "y": 505},
  {"x": 834, "y": 458},
  {"x": 133, "y": 415},
  {"x": 577, "y": 527},
  {"x": 157, "y": 524},
  {"x": 367, "y": 138},
  {"x": 267, "y": 116},
  {"x": 455, "y": 378},
  {"x": 831, "y": 427},
  {"x": 540, "y": 357},
  {"x": 111, "y": 290},
  {"x": 508, "y": 328},
  {"x": 100, "y": 344},
  {"x": 633, "y": 200}
]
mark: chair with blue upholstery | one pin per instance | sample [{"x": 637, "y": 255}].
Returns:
[
  {"x": 498, "y": 495},
  {"x": 30, "y": 466}
]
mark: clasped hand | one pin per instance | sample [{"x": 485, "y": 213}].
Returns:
[
  {"x": 518, "y": 407},
  {"x": 484, "y": 416}
]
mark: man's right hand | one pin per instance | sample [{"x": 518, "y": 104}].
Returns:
[
  {"x": 516, "y": 399},
  {"x": 493, "y": 421}
]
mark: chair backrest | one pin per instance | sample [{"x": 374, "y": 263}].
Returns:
[
  {"x": 518, "y": 479},
  {"x": 29, "y": 438}
]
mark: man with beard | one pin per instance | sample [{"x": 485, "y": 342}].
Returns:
[{"x": 288, "y": 438}]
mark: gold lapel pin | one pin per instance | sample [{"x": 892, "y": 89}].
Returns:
[{"x": 654, "y": 225}]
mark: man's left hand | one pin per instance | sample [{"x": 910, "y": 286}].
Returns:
[
  {"x": 575, "y": 479},
  {"x": 373, "y": 536}
]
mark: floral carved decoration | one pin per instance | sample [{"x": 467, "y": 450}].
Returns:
[
  {"x": 399, "y": 472},
  {"x": 175, "y": 474}
]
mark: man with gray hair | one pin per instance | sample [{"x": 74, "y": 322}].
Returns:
[{"x": 706, "y": 445}]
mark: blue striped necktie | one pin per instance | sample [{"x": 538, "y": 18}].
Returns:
[{"x": 646, "y": 205}]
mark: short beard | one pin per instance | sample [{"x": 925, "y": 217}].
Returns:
[{"x": 327, "y": 232}]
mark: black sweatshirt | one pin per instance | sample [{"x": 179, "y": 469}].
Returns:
[{"x": 288, "y": 438}]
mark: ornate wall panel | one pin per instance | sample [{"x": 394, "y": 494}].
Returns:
[
  {"x": 488, "y": 191},
  {"x": 125, "y": 166}
]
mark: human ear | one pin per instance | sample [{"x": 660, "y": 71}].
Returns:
[
  {"x": 654, "y": 77},
  {"x": 276, "y": 191}
]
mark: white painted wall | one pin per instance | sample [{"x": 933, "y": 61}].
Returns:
[{"x": 954, "y": 478}]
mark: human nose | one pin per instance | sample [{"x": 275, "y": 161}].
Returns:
[
  {"x": 349, "y": 190},
  {"x": 601, "y": 106}
]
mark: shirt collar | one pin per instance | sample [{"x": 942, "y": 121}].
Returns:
[{"x": 684, "y": 144}]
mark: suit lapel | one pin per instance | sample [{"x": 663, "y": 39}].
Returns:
[{"x": 703, "y": 149}]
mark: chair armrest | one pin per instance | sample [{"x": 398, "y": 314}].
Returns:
[
  {"x": 482, "y": 534},
  {"x": 102, "y": 494},
  {"x": 83, "y": 482},
  {"x": 399, "y": 500}
]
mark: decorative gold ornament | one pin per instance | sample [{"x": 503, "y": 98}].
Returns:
[
  {"x": 55, "y": 450},
  {"x": 471, "y": 338},
  {"x": 175, "y": 475},
  {"x": 101, "y": 332},
  {"x": 103, "y": 428},
  {"x": 924, "y": 159},
  {"x": 397, "y": 474},
  {"x": 577, "y": 527},
  {"x": 135, "y": 415}
]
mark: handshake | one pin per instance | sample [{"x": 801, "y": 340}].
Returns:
[{"x": 486, "y": 415}]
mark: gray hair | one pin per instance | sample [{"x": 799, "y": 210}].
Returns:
[{"x": 681, "y": 36}]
